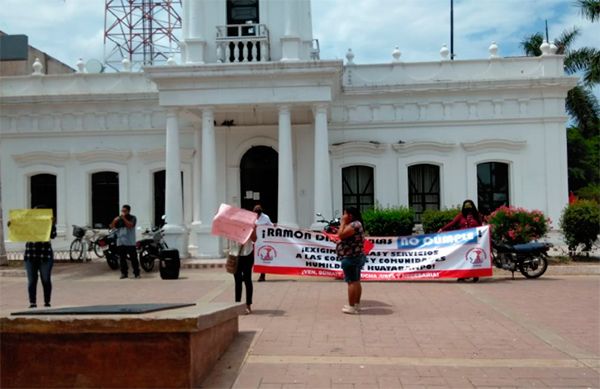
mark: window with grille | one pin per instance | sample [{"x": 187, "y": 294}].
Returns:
[
  {"x": 492, "y": 186},
  {"x": 423, "y": 188},
  {"x": 42, "y": 191},
  {"x": 357, "y": 187},
  {"x": 105, "y": 198}
]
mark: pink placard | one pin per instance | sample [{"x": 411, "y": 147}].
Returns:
[{"x": 233, "y": 223}]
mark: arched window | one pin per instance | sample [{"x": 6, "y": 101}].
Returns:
[
  {"x": 492, "y": 186},
  {"x": 357, "y": 187},
  {"x": 105, "y": 198},
  {"x": 42, "y": 191},
  {"x": 160, "y": 179},
  {"x": 423, "y": 188}
]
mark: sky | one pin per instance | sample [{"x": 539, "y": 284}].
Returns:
[{"x": 72, "y": 29}]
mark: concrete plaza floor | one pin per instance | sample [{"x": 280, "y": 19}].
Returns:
[{"x": 496, "y": 333}]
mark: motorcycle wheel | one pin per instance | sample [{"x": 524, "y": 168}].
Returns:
[
  {"x": 98, "y": 250},
  {"x": 112, "y": 261},
  {"x": 146, "y": 261},
  {"x": 535, "y": 268},
  {"x": 76, "y": 250}
]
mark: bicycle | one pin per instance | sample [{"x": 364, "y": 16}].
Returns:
[{"x": 86, "y": 240}]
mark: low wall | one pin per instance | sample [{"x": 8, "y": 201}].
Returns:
[{"x": 166, "y": 349}]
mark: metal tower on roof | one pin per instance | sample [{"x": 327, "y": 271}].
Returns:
[{"x": 142, "y": 31}]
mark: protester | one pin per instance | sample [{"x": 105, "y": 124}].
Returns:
[
  {"x": 125, "y": 225},
  {"x": 350, "y": 251},
  {"x": 243, "y": 273},
  {"x": 39, "y": 260},
  {"x": 469, "y": 217},
  {"x": 262, "y": 220}
]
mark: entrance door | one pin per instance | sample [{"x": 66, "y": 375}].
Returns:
[{"x": 258, "y": 174}]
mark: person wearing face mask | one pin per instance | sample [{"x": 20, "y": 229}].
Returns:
[
  {"x": 469, "y": 217},
  {"x": 262, "y": 220}
]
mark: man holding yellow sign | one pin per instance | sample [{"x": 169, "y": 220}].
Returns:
[{"x": 36, "y": 227}]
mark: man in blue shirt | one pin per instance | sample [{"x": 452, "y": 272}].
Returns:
[{"x": 125, "y": 225}]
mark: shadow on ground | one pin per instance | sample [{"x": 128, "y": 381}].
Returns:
[{"x": 228, "y": 367}]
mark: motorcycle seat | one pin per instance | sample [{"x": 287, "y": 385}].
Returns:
[
  {"x": 530, "y": 247},
  {"x": 146, "y": 241}
]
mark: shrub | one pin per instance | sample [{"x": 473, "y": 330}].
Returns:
[
  {"x": 580, "y": 223},
  {"x": 590, "y": 192},
  {"x": 396, "y": 221},
  {"x": 433, "y": 219},
  {"x": 517, "y": 225}
]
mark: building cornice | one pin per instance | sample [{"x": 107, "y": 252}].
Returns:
[
  {"x": 494, "y": 144},
  {"x": 417, "y": 146},
  {"x": 40, "y": 157},
  {"x": 357, "y": 147},
  {"x": 102, "y": 155},
  {"x": 158, "y": 155}
]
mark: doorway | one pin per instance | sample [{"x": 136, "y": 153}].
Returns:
[{"x": 258, "y": 180}]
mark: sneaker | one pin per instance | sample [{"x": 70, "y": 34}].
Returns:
[
  {"x": 123, "y": 276},
  {"x": 349, "y": 310},
  {"x": 261, "y": 278},
  {"x": 33, "y": 305},
  {"x": 357, "y": 307},
  {"x": 47, "y": 304}
]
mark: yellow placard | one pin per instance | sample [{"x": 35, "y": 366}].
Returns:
[{"x": 29, "y": 225}]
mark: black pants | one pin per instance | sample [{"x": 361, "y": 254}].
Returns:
[
  {"x": 129, "y": 252},
  {"x": 244, "y": 274},
  {"x": 44, "y": 269}
]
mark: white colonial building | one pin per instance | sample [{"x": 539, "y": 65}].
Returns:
[{"x": 252, "y": 114}]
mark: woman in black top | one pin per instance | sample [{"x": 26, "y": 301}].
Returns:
[{"x": 39, "y": 259}]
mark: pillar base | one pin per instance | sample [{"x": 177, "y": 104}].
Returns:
[
  {"x": 204, "y": 243},
  {"x": 177, "y": 238},
  {"x": 290, "y": 48},
  {"x": 194, "y": 51}
]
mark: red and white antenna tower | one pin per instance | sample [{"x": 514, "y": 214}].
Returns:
[{"x": 143, "y": 31}]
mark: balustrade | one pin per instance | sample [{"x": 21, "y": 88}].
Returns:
[{"x": 242, "y": 43}]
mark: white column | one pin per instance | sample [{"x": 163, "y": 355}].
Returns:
[
  {"x": 290, "y": 28},
  {"x": 195, "y": 42},
  {"x": 173, "y": 199},
  {"x": 322, "y": 168},
  {"x": 209, "y": 167},
  {"x": 175, "y": 232},
  {"x": 205, "y": 197},
  {"x": 197, "y": 174},
  {"x": 286, "y": 196},
  {"x": 290, "y": 41}
]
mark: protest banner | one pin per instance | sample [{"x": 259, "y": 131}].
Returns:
[
  {"x": 454, "y": 254},
  {"x": 233, "y": 223},
  {"x": 29, "y": 225}
]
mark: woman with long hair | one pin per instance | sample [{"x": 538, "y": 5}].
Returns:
[
  {"x": 350, "y": 252},
  {"x": 469, "y": 217}
]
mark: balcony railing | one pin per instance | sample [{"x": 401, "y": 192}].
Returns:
[{"x": 243, "y": 43}]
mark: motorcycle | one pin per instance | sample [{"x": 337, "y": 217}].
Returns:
[
  {"x": 149, "y": 248},
  {"x": 330, "y": 226},
  {"x": 108, "y": 244},
  {"x": 530, "y": 259}
]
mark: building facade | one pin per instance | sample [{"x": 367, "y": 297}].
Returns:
[{"x": 252, "y": 114}]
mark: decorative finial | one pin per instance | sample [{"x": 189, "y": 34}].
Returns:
[
  {"x": 350, "y": 57},
  {"x": 545, "y": 47},
  {"x": 80, "y": 66},
  {"x": 553, "y": 48},
  {"x": 171, "y": 61},
  {"x": 396, "y": 54},
  {"x": 445, "y": 53},
  {"x": 126, "y": 64},
  {"x": 493, "y": 49},
  {"x": 37, "y": 67}
]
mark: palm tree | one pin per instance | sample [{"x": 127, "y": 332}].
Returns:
[
  {"x": 590, "y": 9},
  {"x": 581, "y": 103}
]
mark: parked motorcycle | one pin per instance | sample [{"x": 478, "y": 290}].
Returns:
[
  {"x": 330, "y": 226},
  {"x": 149, "y": 248},
  {"x": 108, "y": 244},
  {"x": 530, "y": 259}
]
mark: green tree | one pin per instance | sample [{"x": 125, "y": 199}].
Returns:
[{"x": 590, "y": 9}]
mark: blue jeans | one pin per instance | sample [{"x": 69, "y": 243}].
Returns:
[
  {"x": 44, "y": 269},
  {"x": 352, "y": 266}
]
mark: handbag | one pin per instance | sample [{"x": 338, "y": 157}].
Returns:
[{"x": 233, "y": 257}]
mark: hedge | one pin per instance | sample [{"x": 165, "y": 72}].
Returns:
[
  {"x": 580, "y": 223},
  {"x": 433, "y": 219},
  {"x": 395, "y": 221}
]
